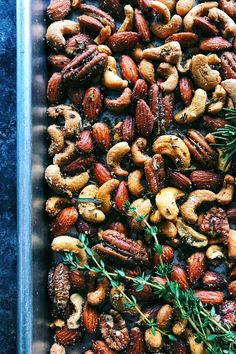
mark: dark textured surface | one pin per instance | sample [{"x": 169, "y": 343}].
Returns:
[{"x": 8, "y": 177}]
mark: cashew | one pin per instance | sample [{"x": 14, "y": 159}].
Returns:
[
  {"x": 217, "y": 100},
  {"x": 155, "y": 217},
  {"x": 195, "y": 110},
  {"x": 215, "y": 253},
  {"x": 230, "y": 87},
  {"x": 137, "y": 52},
  {"x": 228, "y": 26},
  {"x": 169, "y": 3},
  {"x": 166, "y": 202},
  {"x": 167, "y": 228},
  {"x": 195, "y": 346},
  {"x": 195, "y": 199},
  {"x": 103, "y": 36},
  {"x": 66, "y": 156},
  {"x": 55, "y": 204},
  {"x": 127, "y": 24},
  {"x": 57, "y": 349},
  {"x": 137, "y": 154},
  {"x": 161, "y": 9},
  {"x": 70, "y": 244},
  {"x": 169, "y": 52},
  {"x": 226, "y": 194},
  {"x": 104, "y": 49},
  {"x": 184, "y": 66},
  {"x": 89, "y": 211},
  {"x": 65, "y": 185},
  {"x": 104, "y": 194},
  {"x": 163, "y": 31},
  {"x": 170, "y": 73},
  {"x": 111, "y": 80},
  {"x": 77, "y": 301},
  {"x": 97, "y": 296},
  {"x": 73, "y": 121},
  {"x": 213, "y": 59},
  {"x": 119, "y": 302},
  {"x": 232, "y": 244},
  {"x": 153, "y": 341},
  {"x": 57, "y": 139},
  {"x": 197, "y": 11},
  {"x": 184, "y": 6},
  {"x": 120, "y": 104},
  {"x": 143, "y": 207},
  {"x": 189, "y": 236},
  {"x": 146, "y": 71},
  {"x": 203, "y": 76},
  {"x": 56, "y": 31},
  {"x": 134, "y": 183},
  {"x": 114, "y": 156},
  {"x": 179, "y": 327},
  {"x": 175, "y": 148}
]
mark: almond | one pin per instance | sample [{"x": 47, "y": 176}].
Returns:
[
  {"x": 122, "y": 196},
  {"x": 179, "y": 180},
  {"x": 206, "y": 180},
  {"x": 144, "y": 118},
  {"x": 76, "y": 95},
  {"x": 154, "y": 172},
  {"x": 64, "y": 221},
  {"x": 136, "y": 344},
  {"x": 140, "y": 91},
  {"x": 121, "y": 41},
  {"x": 196, "y": 266},
  {"x": 186, "y": 90},
  {"x": 90, "y": 318},
  {"x": 142, "y": 26},
  {"x": 66, "y": 336},
  {"x": 213, "y": 281},
  {"x": 101, "y": 173},
  {"x": 92, "y": 103},
  {"x": 185, "y": 39},
  {"x": 232, "y": 288},
  {"x": 114, "y": 8},
  {"x": 180, "y": 276},
  {"x": 101, "y": 135},
  {"x": 59, "y": 61},
  {"x": 77, "y": 280},
  {"x": 81, "y": 164},
  {"x": 58, "y": 9},
  {"x": 129, "y": 69},
  {"x": 77, "y": 43},
  {"x": 167, "y": 255},
  {"x": 206, "y": 26},
  {"x": 55, "y": 90},
  {"x": 90, "y": 24},
  {"x": 128, "y": 129},
  {"x": 210, "y": 297},
  {"x": 214, "y": 44},
  {"x": 84, "y": 143}
]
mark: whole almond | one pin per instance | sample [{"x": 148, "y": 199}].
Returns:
[
  {"x": 186, "y": 90},
  {"x": 164, "y": 316},
  {"x": 101, "y": 173},
  {"x": 55, "y": 89},
  {"x": 210, "y": 297},
  {"x": 84, "y": 143},
  {"x": 90, "y": 318},
  {"x": 101, "y": 135},
  {"x": 206, "y": 180},
  {"x": 196, "y": 266},
  {"x": 185, "y": 39},
  {"x": 122, "y": 41},
  {"x": 206, "y": 26},
  {"x": 179, "y": 275},
  {"x": 179, "y": 180},
  {"x": 77, "y": 280},
  {"x": 59, "y": 61},
  {"x": 140, "y": 91},
  {"x": 129, "y": 69},
  {"x": 64, "y": 221},
  {"x": 122, "y": 195},
  {"x": 167, "y": 255},
  {"x": 58, "y": 9},
  {"x": 128, "y": 129},
  {"x": 142, "y": 26},
  {"x": 81, "y": 164},
  {"x": 77, "y": 43},
  {"x": 90, "y": 24},
  {"x": 214, "y": 44},
  {"x": 92, "y": 103},
  {"x": 144, "y": 118}
]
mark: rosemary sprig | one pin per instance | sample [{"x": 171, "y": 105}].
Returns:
[
  {"x": 88, "y": 200},
  {"x": 230, "y": 112},
  {"x": 226, "y": 140}
]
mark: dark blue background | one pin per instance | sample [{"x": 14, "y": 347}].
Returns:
[{"x": 8, "y": 234}]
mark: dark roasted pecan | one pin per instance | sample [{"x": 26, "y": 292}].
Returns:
[
  {"x": 144, "y": 118},
  {"x": 81, "y": 164},
  {"x": 77, "y": 43},
  {"x": 214, "y": 223},
  {"x": 116, "y": 247},
  {"x": 214, "y": 123},
  {"x": 114, "y": 330},
  {"x": 142, "y": 26},
  {"x": 128, "y": 129},
  {"x": 66, "y": 336},
  {"x": 61, "y": 286},
  {"x": 206, "y": 26},
  {"x": 100, "y": 15},
  {"x": 155, "y": 173},
  {"x": 100, "y": 347},
  {"x": 228, "y": 65},
  {"x": 213, "y": 281},
  {"x": 200, "y": 150},
  {"x": 114, "y": 8}
]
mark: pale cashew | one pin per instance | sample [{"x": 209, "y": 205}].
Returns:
[
  {"x": 215, "y": 253},
  {"x": 167, "y": 228},
  {"x": 104, "y": 49},
  {"x": 77, "y": 301},
  {"x": 115, "y": 155},
  {"x": 65, "y": 185},
  {"x": 184, "y": 6},
  {"x": 195, "y": 199},
  {"x": 119, "y": 302},
  {"x": 56, "y": 31},
  {"x": 55, "y": 204},
  {"x": 213, "y": 59},
  {"x": 155, "y": 217},
  {"x": 195, "y": 110},
  {"x": 169, "y": 52},
  {"x": 57, "y": 139},
  {"x": 137, "y": 52},
  {"x": 226, "y": 194},
  {"x": 146, "y": 71},
  {"x": 143, "y": 207},
  {"x": 104, "y": 194},
  {"x": 175, "y": 148},
  {"x": 103, "y": 36},
  {"x": 203, "y": 76},
  {"x": 170, "y": 73},
  {"x": 163, "y": 31},
  {"x": 70, "y": 244},
  {"x": 127, "y": 25},
  {"x": 217, "y": 101},
  {"x": 230, "y": 87},
  {"x": 97, "y": 296},
  {"x": 179, "y": 327},
  {"x": 161, "y": 9},
  {"x": 57, "y": 349},
  {"x": 89, "y": 211},
  {"x": 153, "y": 340},
  {"x": 120, "y": 104},
  {"x": 111, "y": 80},
  {"x": 166, "y": 202},
  {"x": 184, "y": 66},
  {"x": 228, "y": 24},
  {"x": 66, "y": 156},
  {"x": 169, "y": 3},
  {"x": 189, "y": 236},
  {"x": 137, "y": 154},
  {"x": 232, "y": 244},
  {"x": 197, "y": 11},
  {"x": 134, "y": 183},
  {"x": 195, "y": 346},
  {"x": 73, "y": 121}
]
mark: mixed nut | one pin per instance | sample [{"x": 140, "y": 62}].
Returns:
[{"x": 142, "y": 213}]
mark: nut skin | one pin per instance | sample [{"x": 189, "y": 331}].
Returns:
[
  {"x": 64, "y": 221},
  {"x": 231, "y": 214},
  {"x": 179, "y": 180},
  {"x": 101, "y": 135},
  {"x": 186, "y": 90},
  {"x": 128, "y": 129},
  {"x": 121, "y": 196},
  {"x": 214, "y": 223},
  {"x": 213, "y": 281},
  {"x": 140, "y": 91},
  {"x": 85, "y": 144},
  {"x": 136, "y": 344},
  {"x": 232, "y": 289},
  {"x": 58, "y": 9},
  {"x": 90, "y": 318},
  {"x": 206, "y": 26},
  {"x": 55, "y": 90},
  {"x": 196, "y": 266},
  {"x": 129, "y": 69},
  {"x": 210, "y": 297},
  {"x": 144, "y": 118},
  {"x": 122, "y": 41},
  {"x": 61, "y": 287},
  {"x": 66, "y": 336},
  {"x": 228, "y": 65},
  {"x": 76, "y": 95},
  {"x": 164, "y": 316},
  {"x": 167, "y": 255},
  {"x": 142, "y": 26},
  {"x": 214, "y": 44},
  {"x": 180, "y": 276},
  {"x": 185, "y": 39},
  {"x": 202, "y": 179},
  {"x": 77, "y": 44},
  {"x": 155, "y": 173},
  {"x": 119, "y": 227},
  {"x": 228, "y": 7},
  {"x": 90, "y": 24},
  {"x": 100, "y": 15},
  {"x": 101, "y": 173},
  {"x": 81, "y": 164},
  {"x": 92, "y": 103}
]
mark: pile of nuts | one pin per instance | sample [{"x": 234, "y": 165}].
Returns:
[{"x": 125, "y": 113}]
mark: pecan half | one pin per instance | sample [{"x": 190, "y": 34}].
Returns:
[
  {"x": 61, "y": 286},
  {"x": 114, "y": 330},
  {"x": 228, "y": 65},
  {"x": 214, "y": 223}
]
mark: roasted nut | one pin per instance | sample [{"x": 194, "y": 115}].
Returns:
[
  {"x": 92, "y": 103},
  {"x": 143, "y": 118},
  {"x": 57, "y": 139},
  {"x": 215, "y": 254},
  {"x": 186, "y": 90},
  {"x": 101, "y": 173},
  {"x": 98, "y": 295},
  {"x": 76, "y": 44},
  {"x": 179, "y": 275},
  {"x": 134, "y": 183},
  {"x": 142, "y": 26},
  {"x": 81, "y": 164},
  {"x": 147, "y": 71},
  {"x": 213, "y": 281},
  {"x": 118, "y": 226},
  {"x": 66, "y": 156},
  {"x": 184, "y": 6},
  {"x": 77, "y": 301},
  {"x": 77, "y": 280},
  {"x": 73, "y": 121},
  {"x": 120, "y": 104},
  {"x": 90, "y": 318},
  {"x": 214, "y": 223},
  {"x": 59, "y": 61},
  {"x": 121, "y": 196},
  {"x": 115, "y": 155},
  {"x": 228, "y": 65},
  {"x": 128, "y": 69},
  {"x": 136, "y": 344},
  {"x": 76, "y": 95},
  {"x": 128, "y": 129},
  {"x": 114, "y": 8},
  {"x": 185, "y": 39},
  {"x": 164, "y": 316},
  {"x": 217, "y": 101},
  {"x": 170, "y": 73},
  {"x": 210, "y": 297},
  {"x": 90, "y": 24},
  {"x": 170, "y": 53},
  {"x": 232, "y": 244},
  {"x": 66, "y": 336},
  {"x": 203, "y": 76},
  {"x": 153, "y": 341},
  {"x": 84, "y": 143},
  {"x": 100, "y": 347},
  {"x": 206, "y": 180},
  {"x": 155, "y": 173},
  {"x": 137, "y": 154},
  {"x": 179, "y": 180},
  {"x": 214, "y": 44},
  {"x": 229, "y": 86},
  {"x": 55, "y": 204},
  {"x": 231, "y": 214},
  {"x": 163, "y": 31},
  {"x": 100, "y": 15},
  {"x": 167, "y": 228},
  {"x": 166, "y": 256},
  {"x": 143, "y": 207},
  {"x": 64, "y": 221},
  {"x": 57, "y": 349},
  {"x": 214, "y": 123},
  {"x": 206, "y": 26},
  {"x": 189, "y": 236},
  {"x": 122, "y": 41},
  {"x": 69, "y": 244},
  {"x": 196, "y": 266},
  {"x": 101, "y": 135},
  {"x": 89, "y": 210},
  {"x": 104, "y": 194},
  {"x": 166, "y": 202},
  {"x": 60, "y": 289},
  {"x": 195, "y": 346},
  {"x": 56, "y": 31},
  {"x": 111, "y": 79},
  {"x": 127, "y": 24},
  {"x": 225, "y": 195},
  {"x": 232, "y": 288},
  {"x": 228, "y": 26},
  {"x": 196, "y": 11},
  {"x": 55, "y": 90},
  {"x": 139, "y": 91},
  {"x": 179, "y": 327}
]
